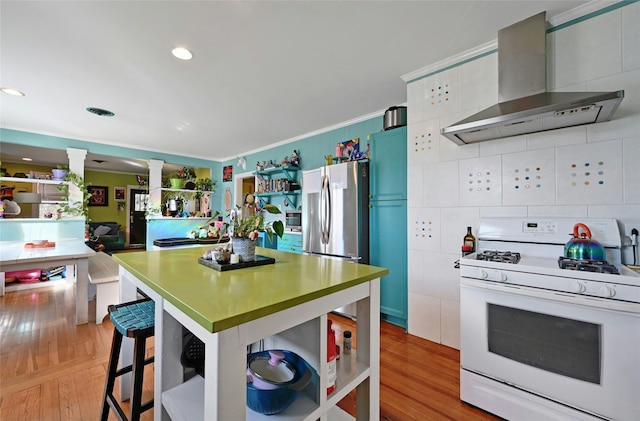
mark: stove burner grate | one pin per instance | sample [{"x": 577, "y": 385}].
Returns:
[
  {"x": 499, "y": 256},
  {"x": 600, "y": 266}
]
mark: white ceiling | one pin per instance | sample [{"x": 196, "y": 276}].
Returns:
[{"x": 263, "y": 71}]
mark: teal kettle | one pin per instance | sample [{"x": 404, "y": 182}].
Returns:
[{"x": 581, "y": 246}]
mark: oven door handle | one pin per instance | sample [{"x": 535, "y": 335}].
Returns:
[{"x": 565, "y": 297}]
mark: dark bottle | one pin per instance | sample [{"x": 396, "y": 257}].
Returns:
[{"x": 469, "y": 243}]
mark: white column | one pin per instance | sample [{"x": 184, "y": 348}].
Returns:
[
  {"x": 76, "y": 165},
  {"x": 155, "y": 182}
]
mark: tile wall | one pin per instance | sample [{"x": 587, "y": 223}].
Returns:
[{"x": 587, "y": 171}]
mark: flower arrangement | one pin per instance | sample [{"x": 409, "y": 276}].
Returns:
[{"x": 249, "y": 226}]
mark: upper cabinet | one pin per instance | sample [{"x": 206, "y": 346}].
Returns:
[{"x": 388, "y": 157}]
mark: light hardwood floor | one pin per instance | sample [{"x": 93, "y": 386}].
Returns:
[{"x": 51, "y": 369}]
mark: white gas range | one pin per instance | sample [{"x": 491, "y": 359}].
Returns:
[{"x": 542, "y": 342}]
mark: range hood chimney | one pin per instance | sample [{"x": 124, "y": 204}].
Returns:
[{"x": 525, "y": 106}]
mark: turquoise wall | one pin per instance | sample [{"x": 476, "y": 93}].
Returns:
[{"x": 312, "y": 150}]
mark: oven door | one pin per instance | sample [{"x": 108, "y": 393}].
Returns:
[{"x": 563, "y": 347}]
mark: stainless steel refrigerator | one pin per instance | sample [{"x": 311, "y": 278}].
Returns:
[{"x": 335, "y": 213}]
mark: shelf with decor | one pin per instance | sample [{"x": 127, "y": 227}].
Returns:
[
  {"x": 278, "y": 181},
  {"x": 288, "y": 171},
  {"x": 32, "y": 191}
]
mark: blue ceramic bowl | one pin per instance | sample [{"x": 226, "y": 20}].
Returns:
[{"x": 274, "y": 401}]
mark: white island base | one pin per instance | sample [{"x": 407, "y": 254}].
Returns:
[{"x": 301, "y": 329}]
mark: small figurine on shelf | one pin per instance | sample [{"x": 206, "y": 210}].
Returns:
[
  {"x": 285, "y": 161},
  {"x": 295, "y": 159},
  {"x": 270, "y": 164},
  {"x": 260, "y": 166}
]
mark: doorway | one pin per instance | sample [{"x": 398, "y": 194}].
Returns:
[
  {"x": 242, "y": 184},
  {"x": 137, "y": 207}
]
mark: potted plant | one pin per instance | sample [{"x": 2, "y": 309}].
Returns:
[
  {"x": 176, "y": 181},
  {"x": 244, "y": 230},
  {"x": 78, "y": 208},
  {"x": 205, "y": 184},
  {"x": 60, "y": 172},
  {"x": 180, "y": 177}
]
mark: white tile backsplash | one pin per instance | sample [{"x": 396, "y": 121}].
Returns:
[
  {"x": 480, "y": 181},
  {"x": 620, "y": 212},
  {"x": 450, "y": 323},
  {"x": 502, "y": 211},
  {"x": 441, "y": 93},
  {"x": 626, "y": 121},
  {"x": 415, "y": 100},
  {"x": 631, "y": 37},
  {"x": 529, "y": 177},
  {"x": 423, "y": 142},
  {"x": 589, "y": 50},
  {"x": 600, "y": 53},
  {"x": 424, "y": 316},
  {"x": 479, "y": 83},
  {"x": 415, "y": 186},
  {"x": 423, "y": 229},
  {"x": 501, "y": 146},
  {"x": 631, "y": 165},
  {"x": 590, "y": 174},
  {"x": 554, "y": 138},
  {"x": 441, "y": 184},
  {"x": 415, "y": 271},
  {"x": 454, "y": 223},
  {"x": 576, "y": 211}
]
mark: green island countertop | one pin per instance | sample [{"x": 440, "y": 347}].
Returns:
[{"x": 220, "y": 300}]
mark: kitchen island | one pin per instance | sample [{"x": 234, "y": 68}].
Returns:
[{"x": 285, "y": 305}]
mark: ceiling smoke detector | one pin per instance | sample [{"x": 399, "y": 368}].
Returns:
[{"x": 101, "y": 112}]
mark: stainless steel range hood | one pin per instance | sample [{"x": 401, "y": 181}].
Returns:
[{"x": 525, "y": 106}]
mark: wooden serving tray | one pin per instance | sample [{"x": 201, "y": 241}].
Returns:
[{"x": 259, "y": 261}]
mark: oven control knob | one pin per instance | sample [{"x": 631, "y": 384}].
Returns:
[
  {"x": 579, "y": 288},
  {"x": 483, "y": 274},
  {"x": 502, "y": 277},
  {"x": 607, "y": 291}
]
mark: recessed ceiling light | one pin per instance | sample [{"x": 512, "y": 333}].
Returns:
[
  {"x": 11, "y": 91},
  {"x": 100, "y": 112},
  {"x": 27, "y": 159},
  {"x": 182, "y": 53}
]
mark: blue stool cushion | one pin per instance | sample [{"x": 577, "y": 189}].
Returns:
[{"x": 134, "y": 316}]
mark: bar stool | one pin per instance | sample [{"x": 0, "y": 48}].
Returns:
[{"x": 135, "y": 319}]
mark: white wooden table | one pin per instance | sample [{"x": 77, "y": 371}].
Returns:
[{"x": 14, "y": 256}]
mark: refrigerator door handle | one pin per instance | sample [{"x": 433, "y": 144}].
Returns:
[{"x": 325, "y": 212}]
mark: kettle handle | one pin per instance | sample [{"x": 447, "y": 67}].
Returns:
[{"x": 584, "y": 227}]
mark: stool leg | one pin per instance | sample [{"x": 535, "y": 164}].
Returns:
[
  {"x": 111, "y": 373},
  {"x": 138, "y": 374}
]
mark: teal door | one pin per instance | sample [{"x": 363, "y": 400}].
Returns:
[
  {"x": 388, "y": 249},
  {"x": 388, "y": 155}
]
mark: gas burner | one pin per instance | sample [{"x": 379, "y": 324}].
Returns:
[
  {"x": 499, "y": 256},
  {"x": 600, "y": 266}
]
